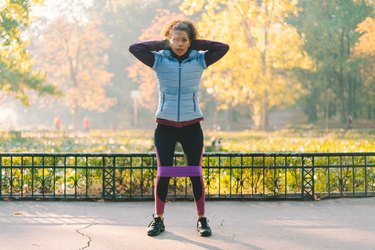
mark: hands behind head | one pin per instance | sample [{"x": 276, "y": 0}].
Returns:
[{"x": 166, "y": 44}]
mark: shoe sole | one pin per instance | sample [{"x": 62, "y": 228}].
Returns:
[
  {"x": 204, "y": 234},
  {"x": 155, "y": 234}
]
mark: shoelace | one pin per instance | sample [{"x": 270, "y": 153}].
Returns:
[
  {"x": 203, "y": 223},
  {"x": 155, "y": 222}
]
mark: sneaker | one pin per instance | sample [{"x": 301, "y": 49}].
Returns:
[
  {"x": 155, "y": 227},
  {"x": 203, "y": 228}
]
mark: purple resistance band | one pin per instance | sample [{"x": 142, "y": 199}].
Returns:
[{"x": 184, "y": 171}]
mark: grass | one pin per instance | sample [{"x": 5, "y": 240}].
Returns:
[
  {"x": 297, "y": 141},
  {"x": 132, "y": 141}
]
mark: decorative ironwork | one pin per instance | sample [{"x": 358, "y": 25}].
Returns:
[
  {"x": 109, "y": 182},
  {"x": 308, "y": 178},
  {"x": 72, "y": 176}
]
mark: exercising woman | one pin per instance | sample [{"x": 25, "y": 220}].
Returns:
[{"x": 179, "y": 61}]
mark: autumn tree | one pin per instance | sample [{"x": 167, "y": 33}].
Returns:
[
  {"x": 124, "y": 22},
  {"x": 17, "y": 76},
  {"x": 73, "y": 53},
  {"x": 334, "y": 87},
  {"x": 365, "y": 49},
  {"x": 264, "y": 50}
]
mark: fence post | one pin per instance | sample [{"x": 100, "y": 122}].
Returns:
[
  {"x": 307, "y": 179},
  {"x": 108, "y": 182}
]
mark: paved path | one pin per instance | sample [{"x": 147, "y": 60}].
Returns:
[{"x": 327, "y": 224}]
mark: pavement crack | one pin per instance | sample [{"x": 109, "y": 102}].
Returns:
[{"x": 85, "y": 235}]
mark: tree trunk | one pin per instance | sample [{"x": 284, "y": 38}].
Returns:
[
  {"x": 264, "y": 120},
  {"x": 257, "y": 115},
  {"x": 312, "y": 113},
  {"x": 342, "y": 79},
  {"x": 75, "y": 118},
  {"x": 263, "y": 105},
  {"x": 311, "y": 106}
]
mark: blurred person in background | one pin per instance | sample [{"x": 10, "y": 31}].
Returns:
[
  {"x": 58, "y": 123},
  {"x": 86, "y": 124}
]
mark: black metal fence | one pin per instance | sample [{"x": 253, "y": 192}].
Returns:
[{"x": 76, "y": 176}]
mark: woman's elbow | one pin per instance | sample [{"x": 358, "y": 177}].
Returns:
[
  {"x": 226, "y": 47},
  {"x": 132, "y": 48}
]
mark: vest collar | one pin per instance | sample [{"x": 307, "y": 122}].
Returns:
[{"x": 191, "y": 54}]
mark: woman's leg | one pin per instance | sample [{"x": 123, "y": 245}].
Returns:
[
  {"x": 165, "y": 143},
  {"x": 192, "y": 143}
]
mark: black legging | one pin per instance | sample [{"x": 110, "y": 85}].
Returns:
[{"x": 191, "y": 139}]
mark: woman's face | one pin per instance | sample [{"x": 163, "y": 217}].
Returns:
[{"x": 179, "y": 42}]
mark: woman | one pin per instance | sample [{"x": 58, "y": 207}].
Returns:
[{"x": 179, "y": 62}]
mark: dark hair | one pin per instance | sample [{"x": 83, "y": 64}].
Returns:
[{"x": 182, "y": 25}]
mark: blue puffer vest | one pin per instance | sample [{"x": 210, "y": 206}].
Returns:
[{"x": 179, "y": 85}]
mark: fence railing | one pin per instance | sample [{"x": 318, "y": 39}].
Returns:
[{"x": 77, "y": 176}]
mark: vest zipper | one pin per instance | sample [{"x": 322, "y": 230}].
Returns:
[
  {"x": 195, "y": 106},
  {"x": 162, "y": 103},
  {"x": 179, "y": 92}
]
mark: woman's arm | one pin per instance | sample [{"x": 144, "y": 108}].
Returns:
[
  {"x": 142, "y": 51},
  {"x": 215, "y": 50}
]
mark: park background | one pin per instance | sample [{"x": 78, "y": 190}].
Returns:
[{"x": 299, "y": 75}]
